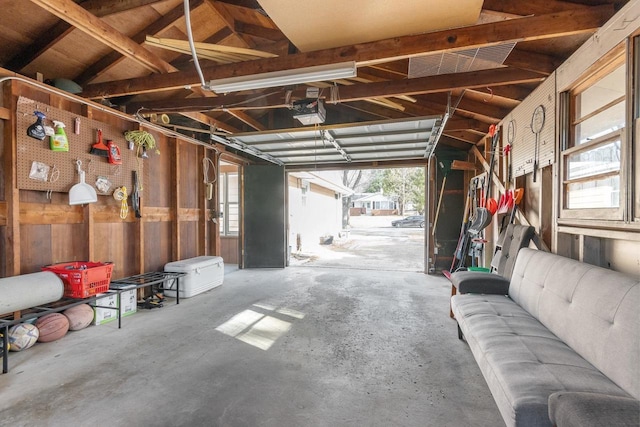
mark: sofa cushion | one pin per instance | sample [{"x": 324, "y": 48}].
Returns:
[
  {"x": 572, "y": 409},
  {"x": 592, "y": 309},
  {"x": 521, "y": 360},
  {"x": 479, "y": 282},
  {"x": 514, "y": 238}
]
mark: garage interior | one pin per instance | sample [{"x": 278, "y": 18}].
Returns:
[{"x": 537, "y": 96}]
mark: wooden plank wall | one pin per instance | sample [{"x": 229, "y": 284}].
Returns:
[{"x": 37, "y": 231}]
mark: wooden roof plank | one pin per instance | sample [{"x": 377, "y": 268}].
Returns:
[
  {"x": 43, "y": 43},
  {"x": 531, "y": 7},
  {"x": 521, "y": 29},
  {"x": 105, "y": 8},
  {"x": 106, "y": 62},
  {"x": 51, "y": 36},
  {"x": 96, "y": 28}
]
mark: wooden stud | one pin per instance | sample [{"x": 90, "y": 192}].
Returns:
[
  {"x": 12, "y": 194},
  {"x": 203, "y": 225},
  {"x": 175, "y": 199}
]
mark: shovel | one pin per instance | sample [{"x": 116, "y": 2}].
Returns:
[
  {"x": 82, "y": 193},
  {"x": 506, "y": 202},
  {"x": 517, "y": 197}
]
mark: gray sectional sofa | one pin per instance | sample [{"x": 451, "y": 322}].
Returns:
[{"x": 558, "y": 327}]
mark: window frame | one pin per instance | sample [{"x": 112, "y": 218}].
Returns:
[
  {"x": 571, "y": 147},
  {"x": 224, "y": 205}
]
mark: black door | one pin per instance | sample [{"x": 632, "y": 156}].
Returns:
[{"x": 264, "y": 216}]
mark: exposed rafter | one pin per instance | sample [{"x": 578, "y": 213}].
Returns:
[
  {"x": 51, "y": 36},
  {"x": 521, "y": 29},
  {"x": 96, "y": 28},
  {"x": 421, "y": 85},
  {"x": 114, "y": 57}
]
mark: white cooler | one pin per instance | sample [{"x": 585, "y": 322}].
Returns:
[{"x": 203, "y": 273}]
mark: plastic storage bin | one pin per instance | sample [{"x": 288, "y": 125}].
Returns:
[
  {"x": 203, "y": 273},
  {"x": 83, "y": 279}
]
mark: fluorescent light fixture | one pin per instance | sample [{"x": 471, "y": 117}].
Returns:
[{"x": 317, "y": 73}]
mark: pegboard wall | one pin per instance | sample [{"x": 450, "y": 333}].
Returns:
[
  {"x": 30, "y": 150},
  {"x": 522, "y": 137}
]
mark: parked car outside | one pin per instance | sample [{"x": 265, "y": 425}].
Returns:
[{"x": 410, "y": 221}]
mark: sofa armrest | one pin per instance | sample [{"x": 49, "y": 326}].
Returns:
[
  {"x": 479, "y": 282},
  {"x": 581, "y": 409}
]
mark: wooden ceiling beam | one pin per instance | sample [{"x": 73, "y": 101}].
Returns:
[
  {"x": 44, "y": 42},
  {"x": 513, "y": 92},
  {"x": 111, "y": 59},
  {"x": 455, "y": 124},
  {"x": 364, "y": 54},
  {"x": 229, "y": 21},
  {"x": 249, "y": 4},
  {"x": 531, "y": 7},
  {"x": 104, "y": 8},
  {"x": 259, "y": 32},
  {"x": 61, "y": 29},
  {"x": 212, "y": 122},
  {"x": 455, "y": 143},
  {"x": 96, "y": 28},
  {"x": 421, "y": 85},
  {"x": 467, "y": 138},
  {"x": 399, "y": 68},
  {"x": 483, "y": 108},
  {"x": 246, "y": 118},
  {"x": 375, "y": 110},
  {"x": 532, "y": 61},
  {"x": 358, "y": 112}
]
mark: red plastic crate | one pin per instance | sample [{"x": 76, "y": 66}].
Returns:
[{"x": 83, "y": 279}]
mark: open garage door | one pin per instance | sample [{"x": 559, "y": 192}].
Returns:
[{"x": 264, "y": 217}]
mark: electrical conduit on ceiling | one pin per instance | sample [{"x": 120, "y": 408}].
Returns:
[{"x": 138, "y": 119}]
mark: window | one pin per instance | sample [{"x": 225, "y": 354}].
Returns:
[
  {"x": 229, "y": 204},
  {"x": 592, "y": 159}
]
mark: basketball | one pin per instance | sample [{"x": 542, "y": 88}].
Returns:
[
  {"x": 79, "y": 316},
  {"x": 52, "y": 327},
  {"x": 22, "y": 336}
]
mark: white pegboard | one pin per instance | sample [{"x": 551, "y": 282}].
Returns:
[
  {"x": 31, "y": 150},
  {"x": 524, "y": 139}
]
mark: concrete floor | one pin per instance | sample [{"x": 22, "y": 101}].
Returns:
[
  {"x": 318, "y": 347},
  {"x": 372, "y": 244}
]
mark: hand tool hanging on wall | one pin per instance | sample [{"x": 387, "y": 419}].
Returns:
[
  {"x": 518, "y": 194},
  {"x": 135, "y": 195},
  {"x": 99, "y": 149},
  {"x": 120, "y": 194},
  {"x": 82, "y": 193},
  {"x": 537, "y": 123},
  {"x": 484, "y": 213}
]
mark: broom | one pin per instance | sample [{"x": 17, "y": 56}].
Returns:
[{"x": 99, "y": 149}]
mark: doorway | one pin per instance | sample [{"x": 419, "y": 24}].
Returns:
[{"x": 362, "y": 219}]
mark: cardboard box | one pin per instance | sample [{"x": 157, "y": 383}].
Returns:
[
  {"x": 128, "y": 301},
  {"x": 106, "y": 315}
]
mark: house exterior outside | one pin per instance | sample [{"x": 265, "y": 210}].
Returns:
[
  {"x": 373, "y": 204},
  {"x": 315, "y": 208}
]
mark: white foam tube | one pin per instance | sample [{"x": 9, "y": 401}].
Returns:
[{"x": 29, "y": 290}]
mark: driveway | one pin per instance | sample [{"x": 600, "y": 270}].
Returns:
[{"x": 372, "y": 244}]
